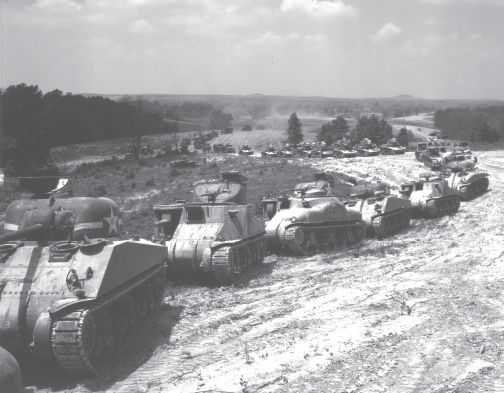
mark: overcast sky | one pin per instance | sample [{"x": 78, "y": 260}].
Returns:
[{"x": 351, "y": 48}]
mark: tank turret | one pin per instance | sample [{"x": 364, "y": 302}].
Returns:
[
  {"x": 217, "y": 235},
  {"x": 70, "y": 288},
  {"x": 311, "y": 220}
]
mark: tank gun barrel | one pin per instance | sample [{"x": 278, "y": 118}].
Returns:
[{"x": 19, "y": 234}]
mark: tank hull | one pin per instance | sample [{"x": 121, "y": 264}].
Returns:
[
  {"x": 52, "y": 296},
  {"x": 470, "y": 185},
  {"x": 220, "y": 240},
  {"x": 383, "y": 216},
  {"x": 311, "y": 225}
]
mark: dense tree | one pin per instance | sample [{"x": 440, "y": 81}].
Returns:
[
  {"x": 378, "y": 131},
  {"x": 477, "y": 124},
  {"x": 404, "y": 137},
  {"x": 220, "y": 120},
  {"x": 294, "y": 131},
  {"x": 333, "y": 131}
]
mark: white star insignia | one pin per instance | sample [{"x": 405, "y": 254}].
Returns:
[{"x": 112, "y": 222}]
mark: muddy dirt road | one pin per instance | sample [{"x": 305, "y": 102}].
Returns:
[{"x": 420, "y": 312}]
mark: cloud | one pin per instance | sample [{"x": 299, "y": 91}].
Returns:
[
  {"x": 443, "y": 2},
  {"x": 387, "y": 33},
  {"x": 319, "y": 7},
  {"x": 141, "y": 26}
]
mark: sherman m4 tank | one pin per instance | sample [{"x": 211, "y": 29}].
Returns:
[
  {"x": 10, "y": 373},
  {"x": 431, "y": 196},
  {"x": 312, "y": 220},
  {"x": 69, "y": 288},
  {"x": 218, "y": 234},
  {"x": 384, "y": 214},
  {"x": 464, "y": 176}
]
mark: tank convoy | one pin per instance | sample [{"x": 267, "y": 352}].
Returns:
[
  {"x": 218, "y": 234},
  {"x": 70, "y": 289},
  {"x": 431, "y": 196},
  {"x": 311, "y": 220},
  {"x": 344, "y": 151},
  {"x": 383, "y": 213}
]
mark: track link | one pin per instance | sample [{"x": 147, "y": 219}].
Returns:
[
  {"x": 75, "y": 335},
  {"x": 230, "y": 262}
]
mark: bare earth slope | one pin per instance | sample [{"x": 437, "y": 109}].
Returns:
[{"x": 420, "y": 312}]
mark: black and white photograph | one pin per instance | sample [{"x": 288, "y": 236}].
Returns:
[{"x": 251, "y": 196}]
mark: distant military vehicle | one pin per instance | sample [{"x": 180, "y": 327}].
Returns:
[
  {"x": 269, "y": 152},
  {"x": 246, "y": 150},
  {"x": 431, "y": 157},
  {"x": 384, "y": 214},
  {"x": 70, "y": 290},
  {"x": 229, "y": 148},
  {"x": 218, "y": 234},
  {"x": 431, "y": 196},
  {"x": 421, "y": 148},
  {"x": 310, "y": 221},
  {"x": 392, "y": 148},
  {"x": 183, "y": 162},
  {"x": 344, "y": 151},
  {"x": 367, "y": 148}
]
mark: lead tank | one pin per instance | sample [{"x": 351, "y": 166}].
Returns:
[
  {"x": 383, "y": 213},
  {"x": 70, "y": 289},
  {"x": 312, "y": 220},
  {"x": 218, "y": 234},
  {"x": 10, "y": 373},
  {"x": 431, "y": 196}
]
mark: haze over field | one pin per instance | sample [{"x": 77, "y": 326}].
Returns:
[{"x": 353, "y": 48}]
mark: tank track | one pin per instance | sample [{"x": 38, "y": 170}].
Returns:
[
  {"x": 230, "y": 262},
  {"x": 78, "y": 338},
  {"x": 475, "y": 189},
  {"x": 322, "y": 238},
  {"x": 440, "y": 206},
  {"x": 390, "y": 223}
]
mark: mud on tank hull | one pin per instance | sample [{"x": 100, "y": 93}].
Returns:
[
  {"x": 313, "y": 225},
  {"x": 77, "y": 302},
  {"x": 384, "y": 216},
  {"x": 10, "y": 373}
]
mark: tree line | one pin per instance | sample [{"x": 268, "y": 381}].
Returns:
[
  {"x": 32, "y": 121},
  {"x": 481, "y": 124}
]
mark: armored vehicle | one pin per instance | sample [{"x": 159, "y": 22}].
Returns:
[
  {"x": 384, "y": 214},
  {"x": 431, "y": 196},
  {"x": 367, "y": 148},
  {"x": 311, "y": 220},
  {"x": 270, "y": 152},
  {"x": 431, "y": 157},
  {"x": 10, "y": 373},
  {"x": 218, "y": 234},
  {"x": 421, "y": 148},
  {"x": 184, "y": 162},
  {"x": 344, "y": 151},
  {"x": 69, "y": 288},
  {"x": 464, "y": 176},
  {"x": 246, "y": 150},
  {"x": 287, "y": 151},
  {"x": 392, "y": 148}
]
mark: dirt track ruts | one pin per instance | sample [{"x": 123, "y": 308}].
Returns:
[{"x": 419, "y": 312}]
